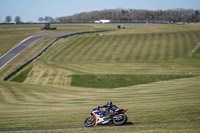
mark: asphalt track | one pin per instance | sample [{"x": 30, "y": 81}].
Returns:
[
  {"x": 57, "y": 128},
  {"x": 11, "y": 54}
]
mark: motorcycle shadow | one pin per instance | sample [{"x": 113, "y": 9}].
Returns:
[
  {"x": 108, "y": 125},
  {"x": 129, "y": 123}
]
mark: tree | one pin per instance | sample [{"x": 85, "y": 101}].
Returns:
[
  {"x": 128, "y": 15},
  {"x": 17, "y": 19},
  {"x": 196, "y": 16},
  {"x": 48, "y": 19},
  {"x": 8, "y": 19},
  {"x": 40, "y": 19}
]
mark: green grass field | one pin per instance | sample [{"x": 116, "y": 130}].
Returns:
[
  {"x": 156, "y": 53},
  {"x": 27, "y": 106},
  {"x": 19, "y": 32},
  {"x": 156, "y": 72}
]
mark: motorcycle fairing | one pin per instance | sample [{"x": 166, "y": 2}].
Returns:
[{"x": 96, "y": 114}]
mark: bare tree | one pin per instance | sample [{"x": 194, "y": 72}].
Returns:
[
  {"x": 48, "y": 19},
  {"x": 8, "y": 19},
  {"x": 128, "y": 15},
  {"x": 17, "y": 19},
  {"x": 40, "y": 19}
]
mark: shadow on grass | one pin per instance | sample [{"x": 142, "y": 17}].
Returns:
[
  {"x": 110, "y": 125},
  {"x": 129, "y": 123}
]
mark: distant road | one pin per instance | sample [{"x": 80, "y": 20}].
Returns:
[{"x": 11, "y": 54}]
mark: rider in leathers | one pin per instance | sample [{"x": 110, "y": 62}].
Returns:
[{"x": 110, "y": 109}]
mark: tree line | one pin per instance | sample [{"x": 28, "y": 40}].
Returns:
[
  {"x": 17, "y": 19},
  {"x": 117, "y": 15},
  {"x": 123, "y": 15}
]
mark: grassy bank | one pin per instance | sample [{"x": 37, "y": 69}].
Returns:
[
  {"x": 32, "y": 106},
  {"x": 160, "y": 53},
  {"x": 153, "y": 47}
]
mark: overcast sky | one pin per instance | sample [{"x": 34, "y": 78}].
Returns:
[{"x": 31, "y": 10}]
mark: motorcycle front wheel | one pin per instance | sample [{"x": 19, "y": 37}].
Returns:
[
  {"x": 122, "y": 119},
  {"x": 90, "y": 121}
]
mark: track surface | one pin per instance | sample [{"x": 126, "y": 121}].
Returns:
[
  {"x": 6, "y": 58},
  {"x": 56, "y": 128}
]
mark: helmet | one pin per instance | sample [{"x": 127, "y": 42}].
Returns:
[{"x": 109, "y": 103}]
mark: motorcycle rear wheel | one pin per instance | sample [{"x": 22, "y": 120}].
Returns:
[
  {"x": 121, "y": 121},
  {"x": 90, "y": 121}
]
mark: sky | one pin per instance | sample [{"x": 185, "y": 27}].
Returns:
[{"x": 31, "y": 10}]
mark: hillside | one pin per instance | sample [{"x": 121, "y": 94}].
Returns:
[
  {"x": 161, "y": 53},
  {"x": 51, "y": 91},
  {"x": 31, "y": 106}
]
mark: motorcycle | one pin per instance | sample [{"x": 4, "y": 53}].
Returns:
[{"x": 98, "y": 117}]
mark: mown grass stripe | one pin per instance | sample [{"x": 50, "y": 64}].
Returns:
[
  {"x": 79, "y": 52},
  {"x": 140, "y": 46},
  {"x": 172, "y": 46},
  {"x": 94, "y": 56},
  {"x": 157, "y": 51},
  {"x": 128, "y": 49},
  {"x": 162, "y": 47},
  {"x": 144, "y": 48},
  {"x": 152, "y": 49},
  {"x": 121, "y": 49},
  {"x": 4, "y": 95},
  {"x": 176, "y": 46},
  {"x": 186, "y": 48},
  {"x": 99, "y": 51},
  {"x": 195, "y": 37},
  {"x": 25, "y": 94},
  {"x": 192, "y": 41},
  {"x": 68, "y": 49},
  {"x": 74, "y": 54},
  {"x": 54, "y": 54},
  {"x": 140, "y": 54},
  {"x": 107, "y": 51},
  {"x": 118, "y": 53},
  {"x": 10, "y": 94},
  {"x": 137, "y": 46},
  {"x": 31, "y": 96},
  {"x": 16, "y": 93},
  {"x": 134, "y": 41},
  {"x": 88, "y": 52},
  {"x": 167, "y": 47},
  {"x": 44, "y": 76},
  {"x": 149, "y": 48},
  {"x": 38, "y": 77},
  {"x": 182, "y": 42},
  {"x": 112, "y": 50}
]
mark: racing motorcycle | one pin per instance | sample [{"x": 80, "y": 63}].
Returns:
[{"x": 98, "y": 117}]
